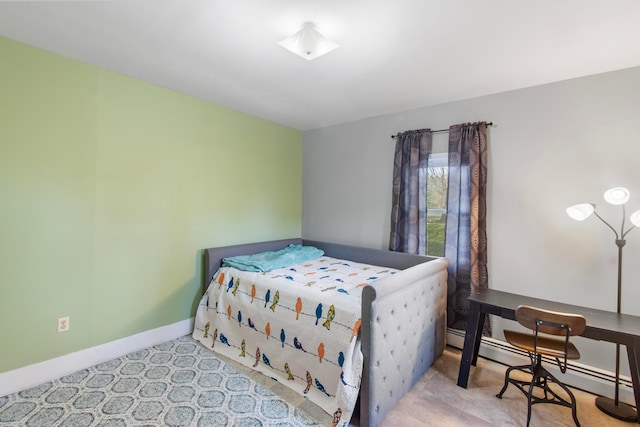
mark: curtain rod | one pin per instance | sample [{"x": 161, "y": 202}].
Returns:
[{"x": 442, "y": 130}]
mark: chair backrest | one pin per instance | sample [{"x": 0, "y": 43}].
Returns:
[{"x": 550, "y": 322}]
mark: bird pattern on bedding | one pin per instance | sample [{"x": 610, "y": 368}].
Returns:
[{"x": 298, "y": 325}]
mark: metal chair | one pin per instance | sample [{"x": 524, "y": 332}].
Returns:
[{"x": 546, "y": 326}]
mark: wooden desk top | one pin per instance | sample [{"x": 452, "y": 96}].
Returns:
[{"x": 601, "y": 325}]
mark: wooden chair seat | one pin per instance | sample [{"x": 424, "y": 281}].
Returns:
[{"x": 547, "y": 346}]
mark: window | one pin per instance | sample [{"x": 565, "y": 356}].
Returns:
[{"x": 437, "y": 183}]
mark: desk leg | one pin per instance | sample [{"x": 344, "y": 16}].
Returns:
[
  {"x": 471, "y": 342},
  {"x": 633, "y": 353},
  {"x": 476, "y": 346}
]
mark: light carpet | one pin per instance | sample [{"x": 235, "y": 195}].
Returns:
[{"x": 177, "y": 383}]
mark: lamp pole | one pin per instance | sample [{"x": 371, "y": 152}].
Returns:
[{"x": 615, "y": 408}]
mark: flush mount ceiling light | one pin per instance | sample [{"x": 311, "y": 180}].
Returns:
[{"x": 308, "y": 43}]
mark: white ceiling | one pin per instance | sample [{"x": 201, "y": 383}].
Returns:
[{"x": 395, "y": 55}]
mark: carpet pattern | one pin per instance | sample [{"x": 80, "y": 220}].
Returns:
[{"x": 177, "y": 383}]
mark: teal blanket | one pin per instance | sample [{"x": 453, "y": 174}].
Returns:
[{"x": 265, "y": 261}]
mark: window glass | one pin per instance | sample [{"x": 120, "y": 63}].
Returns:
[{"x": 437, "y": 183}]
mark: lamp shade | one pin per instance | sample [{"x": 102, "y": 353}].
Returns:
[
  {"x": 635, "y": 218},
  {"x": 308, "y": 43},
  {"x": 580, "y": 212},
  {"x": 617, "y": 195}
]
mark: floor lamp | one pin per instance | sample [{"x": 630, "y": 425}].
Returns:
[{"x": 614, "y": 196}]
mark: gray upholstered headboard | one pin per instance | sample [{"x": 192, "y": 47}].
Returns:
[
  {"x": 213, "y": 256},
  {"x": 397, "y": 260}
]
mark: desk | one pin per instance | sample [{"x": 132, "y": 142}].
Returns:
[{"x": 601, "y": 325}]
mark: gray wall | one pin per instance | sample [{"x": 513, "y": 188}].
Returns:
[{"x": 552, "y": 146}]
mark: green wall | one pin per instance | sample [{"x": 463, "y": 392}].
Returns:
[{"x": 109, "y": 189}]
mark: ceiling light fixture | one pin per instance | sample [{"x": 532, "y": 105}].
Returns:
[{"x": 308, "y": 43}]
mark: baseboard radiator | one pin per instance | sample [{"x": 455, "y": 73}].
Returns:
[{"x": 588, "y": 378}]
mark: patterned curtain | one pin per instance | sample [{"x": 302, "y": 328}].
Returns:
[
  {"x": 466, "y": 236},
  {"x": 409, "y": 199}
]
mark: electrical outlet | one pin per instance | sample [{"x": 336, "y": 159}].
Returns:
[{"x": 63, "y": 324}]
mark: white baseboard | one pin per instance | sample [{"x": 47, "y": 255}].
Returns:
[
  {"x": 594, "y": 380},
  {"x": 38, "y": 373},
  {"x": 581, "y": 376}
]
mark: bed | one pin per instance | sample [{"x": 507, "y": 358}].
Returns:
[{"x": 400, "y": 328}]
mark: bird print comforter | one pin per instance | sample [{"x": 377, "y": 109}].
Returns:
[{"x": 298, "y": 325}]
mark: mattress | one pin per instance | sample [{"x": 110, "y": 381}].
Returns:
[{"x": 298, "y": 325}]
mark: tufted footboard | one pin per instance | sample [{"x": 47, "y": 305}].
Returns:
[
  {"x": 403, "y": 332},
  {"x": 403, "y": 324}
]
